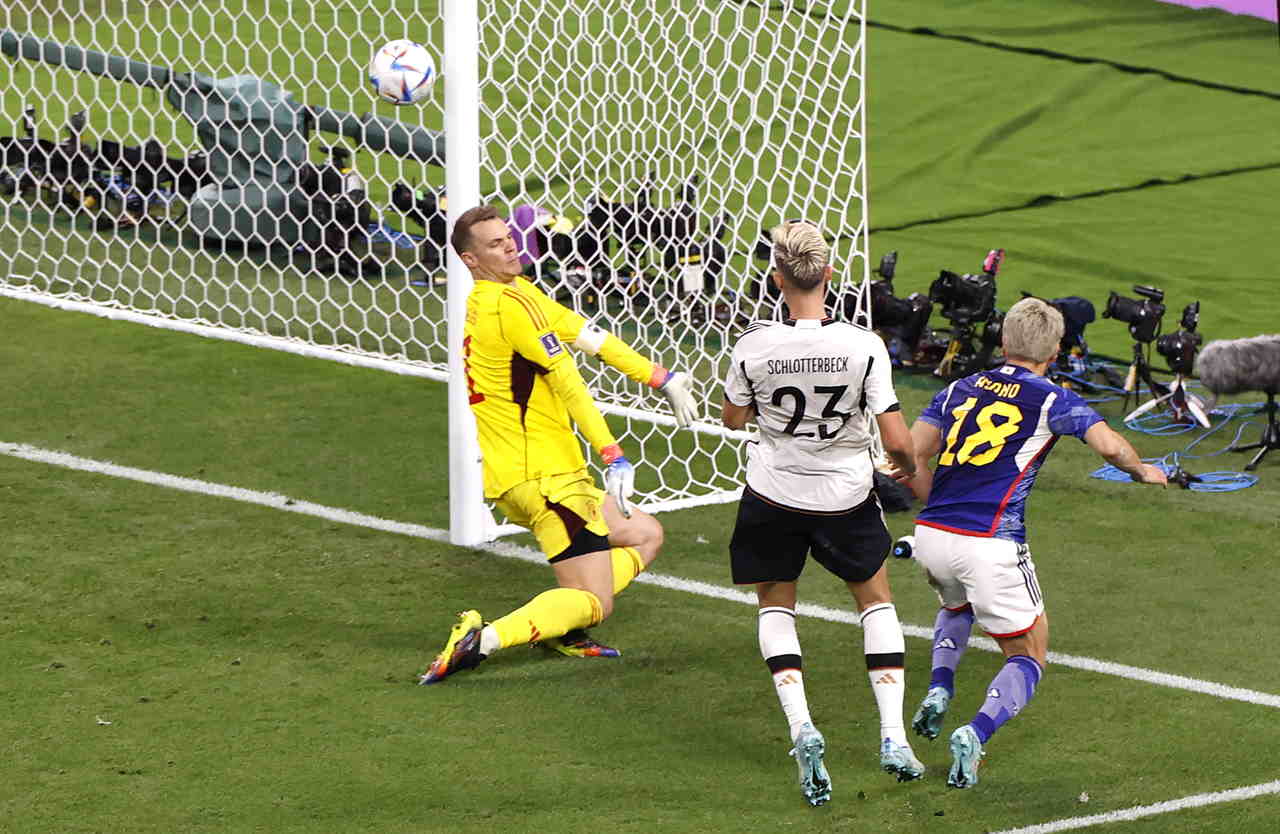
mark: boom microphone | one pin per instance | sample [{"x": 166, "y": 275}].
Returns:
[{"x": 1230, "y": 366}]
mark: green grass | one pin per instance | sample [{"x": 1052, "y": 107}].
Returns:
[{"x": 257, "y": 667}]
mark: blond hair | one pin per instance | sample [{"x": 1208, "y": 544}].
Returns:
[
  {"x": 800, "y": 253},
  {"x": 1032, "y": 330}
]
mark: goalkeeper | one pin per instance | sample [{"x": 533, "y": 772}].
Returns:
[{"x": 524, "y": 388}]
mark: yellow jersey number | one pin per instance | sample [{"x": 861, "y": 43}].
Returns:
[{"x": 989, "y": 432}]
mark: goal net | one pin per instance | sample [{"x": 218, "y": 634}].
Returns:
[{"x": 641, "y": 147}]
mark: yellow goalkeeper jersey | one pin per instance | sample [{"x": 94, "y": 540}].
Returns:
[{"x": 524, "y": 386}]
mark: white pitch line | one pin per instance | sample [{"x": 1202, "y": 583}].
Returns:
[
  {"x": 247, "y": 336},
  {"x": 1128, "y": 814},
  {"x": 277, "y": 501}
]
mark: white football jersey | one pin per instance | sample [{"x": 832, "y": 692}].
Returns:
[{"x": 815, "y": 385}]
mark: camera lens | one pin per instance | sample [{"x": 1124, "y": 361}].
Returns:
[{"x": 1122, "y": 309}]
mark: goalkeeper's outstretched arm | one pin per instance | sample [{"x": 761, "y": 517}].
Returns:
[{"x": 573, "y": 329}]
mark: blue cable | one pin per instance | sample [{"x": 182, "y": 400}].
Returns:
[
  {"x": 1208, "y": 481},
  {"x": 1158, "y": 424},
  {"x": 1161, "y": 424},
  {"x": 1231, "y": 410}
]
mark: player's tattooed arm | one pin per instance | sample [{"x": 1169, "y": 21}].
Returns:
[{"x": 1116, "y": 451}]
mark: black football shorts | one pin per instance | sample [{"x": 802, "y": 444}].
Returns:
[{"x": 770, "y": 541}]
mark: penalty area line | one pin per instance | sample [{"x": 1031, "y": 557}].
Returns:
[
  {"x": 510, "y": 550},
  {"x": 1199, "y": 800}
]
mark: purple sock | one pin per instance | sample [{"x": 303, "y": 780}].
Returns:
[
  {"x": 951, "y": 632},
  {"x": 1009, "y": 692}
]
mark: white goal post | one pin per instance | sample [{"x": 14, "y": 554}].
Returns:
[{"x": 645, "y": 146}]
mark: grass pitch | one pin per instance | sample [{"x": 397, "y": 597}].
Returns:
[
  {"x": 178, "y": 662},
  {"x": 257, "y": 668}
]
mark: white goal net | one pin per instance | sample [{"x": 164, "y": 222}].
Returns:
[{"x": 642, "y": 148}]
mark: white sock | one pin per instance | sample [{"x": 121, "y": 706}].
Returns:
[
  {"x": 789, "y": 684},
  {"x": 489, "y": 642},
  {"x": 885, "y": 649},
  {"x": 780, "y": 648}
]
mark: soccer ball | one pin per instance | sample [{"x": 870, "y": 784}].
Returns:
[{"x": 402, "y": 72}]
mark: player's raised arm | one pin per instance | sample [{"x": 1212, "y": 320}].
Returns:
[
  {"x": 1117, "y": 451},
  {"x": 575, "y": 331}
]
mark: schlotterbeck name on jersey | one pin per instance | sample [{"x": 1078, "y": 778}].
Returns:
[{"x": 808, "y": 365}]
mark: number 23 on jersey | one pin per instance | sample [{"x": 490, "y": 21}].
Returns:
[{"x": 995, "y": 424}]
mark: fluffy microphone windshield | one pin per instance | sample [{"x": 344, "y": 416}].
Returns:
[{"x": 1229, "y": 366}]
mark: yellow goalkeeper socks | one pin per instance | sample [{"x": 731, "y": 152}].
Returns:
[
  {"x": 560, "y": 610},
  {"x": 627, "y": 565},
  {"x": 549, "y": 614}
]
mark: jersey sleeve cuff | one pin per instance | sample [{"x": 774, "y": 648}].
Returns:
[
  {"x": 1090, "y": 423},
  {"x": 893, "y": 407},
  {"x": 931, "y": 420}
]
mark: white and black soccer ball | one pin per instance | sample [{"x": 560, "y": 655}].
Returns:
[{"x": 402, "y": 72}]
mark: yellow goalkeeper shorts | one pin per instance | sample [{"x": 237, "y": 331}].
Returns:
[{"x": 563, "y": 512}]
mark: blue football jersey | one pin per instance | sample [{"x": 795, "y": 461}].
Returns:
[{"x": 997, "y": 428}]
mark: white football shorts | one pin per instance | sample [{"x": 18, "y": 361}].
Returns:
[{"x": 995, "y": 576}]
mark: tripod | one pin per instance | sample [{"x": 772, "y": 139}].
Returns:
[
  {"x": 1270, "y": 436},
  {"x": 961, "y": 339},
  {"x": 1175, "y": 394},
  {"x": 1180, "y": 402},
  {"x": 961, "y": 358}
]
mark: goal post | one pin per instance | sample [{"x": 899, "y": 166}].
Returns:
[
  {"x": 470, "y": 522},
  {"x": 646, "y": 146}
]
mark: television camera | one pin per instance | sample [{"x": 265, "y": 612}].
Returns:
[
  {"x": 968, "y": 301},
  {"x": 618, "y": 246},
  {"x": 901, "y": 321},
  {"x": 1142, "y": 315},
  {"x": 60, "y": 171},
  {"x": 428, "y": 208},
  {"x": 119, "y": 184},
  {"x": 1179, "y": 349},
  {"x": 338, "y": 206}
]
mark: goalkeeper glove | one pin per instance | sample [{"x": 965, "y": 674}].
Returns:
[
  {"x": 677, "y": 388},
  {"x": 619, "y": 478}
]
